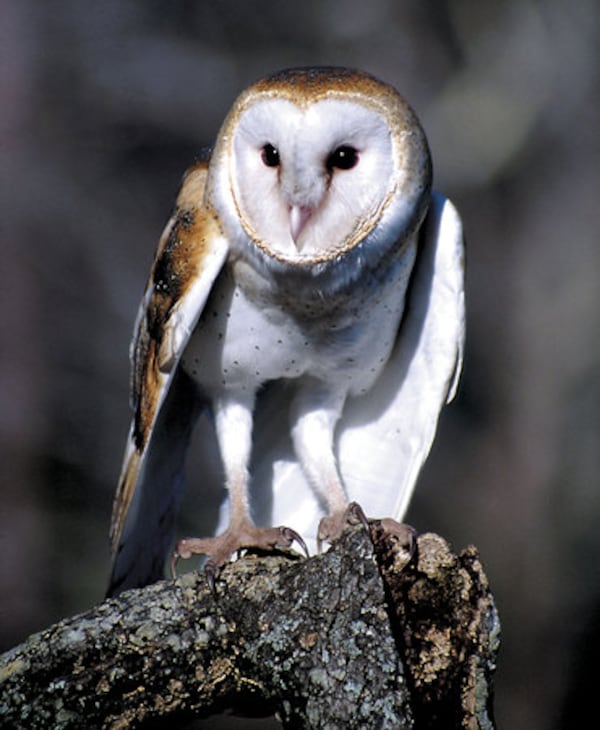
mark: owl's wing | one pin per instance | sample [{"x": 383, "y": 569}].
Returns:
[
  {"x": 190, "y": 255},
  {"x": 383, "y": 437},
  {"x": 387, "y": 434}
]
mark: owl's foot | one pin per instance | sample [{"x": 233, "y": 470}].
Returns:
[
  {"x": 404, "y": 536},
  {"x": 219, "y": 549},
  {"x": 332, "y": 526}
]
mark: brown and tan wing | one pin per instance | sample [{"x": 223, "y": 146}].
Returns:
[{"x": 190, "y": 255}]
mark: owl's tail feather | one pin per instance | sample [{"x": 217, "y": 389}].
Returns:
[{"x": 157, "y": 477}]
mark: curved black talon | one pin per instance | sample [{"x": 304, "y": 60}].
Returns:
[
  {"x": 210, "y": 573},
  {"x": 406, "y": 537},
  {"x": 355, "y": 514},
  {"x": 290, "y": 535}
]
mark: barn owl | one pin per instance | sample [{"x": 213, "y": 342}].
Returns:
[{"x": 306, "y": 300}]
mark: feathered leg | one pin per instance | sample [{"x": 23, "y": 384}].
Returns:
[
  {"x": 233, "y": 420},
  {"x": 315, "y": 412}
]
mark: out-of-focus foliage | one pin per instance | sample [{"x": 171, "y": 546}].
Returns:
[{"x": 104, "y": 104}]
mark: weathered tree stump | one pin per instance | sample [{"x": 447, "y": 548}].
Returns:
[{"x": 364, "y": 636}]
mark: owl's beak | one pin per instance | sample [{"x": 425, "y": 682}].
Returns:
[{"x": 299, "y": 216}]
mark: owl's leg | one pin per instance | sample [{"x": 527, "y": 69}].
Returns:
[
  {"x": 315, "y": 412},
  {"x": 233, "y": 418}
]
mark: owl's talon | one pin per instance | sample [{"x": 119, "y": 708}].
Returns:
[
  {"x": 233, "y": 541},
  {"x": 332, "y": 526},
  {"x": 290, "y": 536},
  {"x": 356, "y": 515},
  {"x": 210, "y": 573},
  {"x": 406, "y": 534}
]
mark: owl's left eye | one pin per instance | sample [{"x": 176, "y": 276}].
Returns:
[
  {"x": 270, "y": 155},
  {"x": 343, "y": 157}
]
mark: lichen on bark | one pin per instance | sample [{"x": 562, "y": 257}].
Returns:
[{"x": 362, "y": 636}]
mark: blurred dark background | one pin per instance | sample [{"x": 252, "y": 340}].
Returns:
[{"x": 104, "y": 104}]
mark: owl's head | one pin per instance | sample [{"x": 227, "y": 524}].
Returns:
[{"x": 313, "y": 163}]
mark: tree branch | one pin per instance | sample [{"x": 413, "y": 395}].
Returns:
[{"x": 362, "y": 636}]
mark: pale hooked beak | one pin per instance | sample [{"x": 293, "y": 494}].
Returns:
[{"x": 299, "y": 216}]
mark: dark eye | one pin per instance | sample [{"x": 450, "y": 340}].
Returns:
[
  {"x": 270, "y": 156},
  {"x": 342, "y": 158}
]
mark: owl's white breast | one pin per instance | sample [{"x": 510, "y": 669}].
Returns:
[{"x": 253, "y": 330}]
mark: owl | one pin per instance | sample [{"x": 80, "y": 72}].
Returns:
[{"x": 306, "y": 308}]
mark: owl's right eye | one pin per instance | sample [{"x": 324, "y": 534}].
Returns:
[{"x": 270, "y": 156}]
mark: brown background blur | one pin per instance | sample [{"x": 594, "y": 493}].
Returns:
[{"x": 103, "y": 105}]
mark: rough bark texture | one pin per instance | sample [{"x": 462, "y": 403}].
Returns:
[{"x": 364, "y": 636}]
